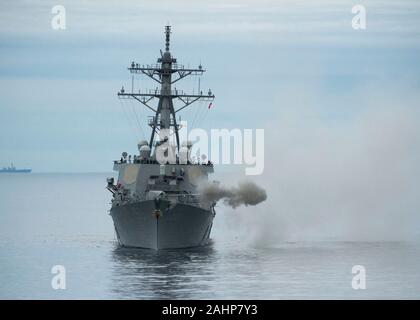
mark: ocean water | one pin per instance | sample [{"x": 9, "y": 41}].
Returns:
[{"x": 62, "y": 219}]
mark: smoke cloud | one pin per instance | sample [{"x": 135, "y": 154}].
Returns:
[
  {"x": 352, "y": 177},
  {"x": 247, "y": 193}
]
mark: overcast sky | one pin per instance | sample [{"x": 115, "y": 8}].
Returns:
[{"x": 265, "y": 59}]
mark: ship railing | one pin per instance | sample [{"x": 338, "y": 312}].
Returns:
[{"x": 183, "y": 198}]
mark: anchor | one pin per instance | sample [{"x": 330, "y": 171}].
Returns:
[{"x": 157, "y": 213}]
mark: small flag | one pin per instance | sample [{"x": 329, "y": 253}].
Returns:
[{"x": 211, "y": 103}]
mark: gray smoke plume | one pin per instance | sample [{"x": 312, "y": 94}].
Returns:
[
  {"x": 357, "y": 180},
  {"x": 246, "y": 193}
]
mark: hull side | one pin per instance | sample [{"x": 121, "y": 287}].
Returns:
[{"x": 182, "y": 226}]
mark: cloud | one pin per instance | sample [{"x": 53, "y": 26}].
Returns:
[{"x": 272, "y": 21}]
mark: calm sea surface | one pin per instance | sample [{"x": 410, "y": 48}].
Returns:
[{"x": 62, "y": 219}]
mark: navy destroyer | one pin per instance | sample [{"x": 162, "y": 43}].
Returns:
[
  {"x": 13, "y": 169},
  {"x": 156, "y": 203}
]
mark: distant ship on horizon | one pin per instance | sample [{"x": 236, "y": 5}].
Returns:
[{"x": 12, "y": 169}]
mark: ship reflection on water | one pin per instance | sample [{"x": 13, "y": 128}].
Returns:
[{"x": 166, "y": 274}]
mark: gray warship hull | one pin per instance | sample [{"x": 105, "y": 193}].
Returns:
[{"x": 181, "y": 226}]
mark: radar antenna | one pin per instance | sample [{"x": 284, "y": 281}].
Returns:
[{"x": 165, "y": 72}]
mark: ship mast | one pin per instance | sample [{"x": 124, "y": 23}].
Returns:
[{"x": 166, "y": 72}]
